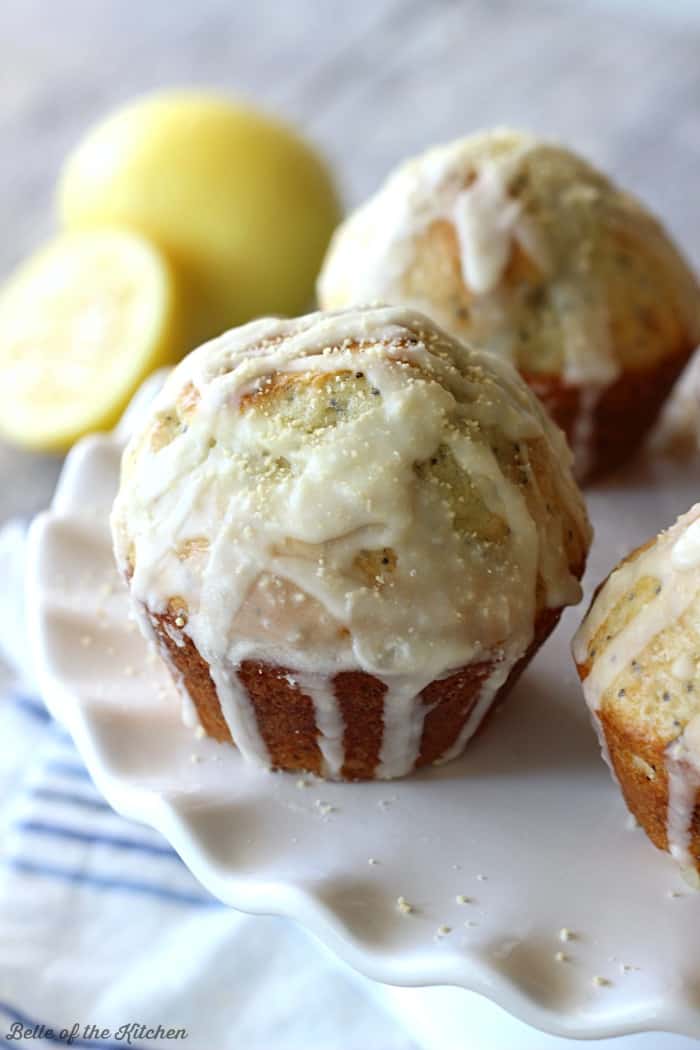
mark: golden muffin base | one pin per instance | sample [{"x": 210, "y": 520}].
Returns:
[
  {"x": 285, "y": 715},
  {"x": 638, "y": 760},
  {"x": 623, "y": 415},
  {"x": 646, "y": 795}
]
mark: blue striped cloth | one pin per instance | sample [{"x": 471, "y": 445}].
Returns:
[{"x": 102, "y": 925}]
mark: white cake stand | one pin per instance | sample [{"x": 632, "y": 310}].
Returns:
[{"x": 528, "y": 826}]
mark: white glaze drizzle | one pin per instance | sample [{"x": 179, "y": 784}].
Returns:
[
  {"x": 404, "y": 717},
  {"x": 683, "y": 667},
  {"x": 272, "y": 576},
  {"x": 479, "y": 711},
  {"x": 671, "y": 560},
  {"x": 678, "y": 429},
  {"x": 189, "y": 712},
  {"x": 238, "y": 712},
  {"x": 686, "y": 550},
  {"x": 486, "y": 220},
  {"x": 329, "y": 719},
  {"x": 582, "y": 436},
  {"x": 683, "y": 773}
]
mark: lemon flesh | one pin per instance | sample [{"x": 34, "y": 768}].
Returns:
[
  {"x": 82, "y": 323},
  {"x": 242, "y": 206}
]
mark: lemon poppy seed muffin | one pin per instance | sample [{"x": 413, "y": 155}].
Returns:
[
  {"x": 520, "y": 246},
  {"x": 347, "y": 534},
  {"x": 638, "y": 656},
  {"x": 677, "y": 435}
]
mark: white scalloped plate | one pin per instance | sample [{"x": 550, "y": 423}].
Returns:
[{"x": 528, "y": 825}]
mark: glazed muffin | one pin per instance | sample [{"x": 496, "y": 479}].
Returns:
[
  {"x": 522, "y": 247},
  {"x": 347, "y": 534},
  {"x": 637, "y": 654},
  {"x": 678, "y": 431}
]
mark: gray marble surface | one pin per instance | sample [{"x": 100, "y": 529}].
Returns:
[{"x": 370, "y": 81}]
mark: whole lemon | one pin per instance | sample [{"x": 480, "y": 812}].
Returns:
[{"x": 242, "y": 206}]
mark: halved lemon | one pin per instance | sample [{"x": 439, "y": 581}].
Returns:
[{"x": 82, "y": 323}]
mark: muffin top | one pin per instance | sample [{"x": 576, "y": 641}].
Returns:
[
  {"x": 353, "y": 490},
  {"x": 639, "y": 645},
  {"x": 522, "y": 247}
]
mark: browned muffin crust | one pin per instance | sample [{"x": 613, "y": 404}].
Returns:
[
  {"x": 624, "y": 414},
  {"x": 286, "y": 718},
  {"x": 644, "y": 784}
]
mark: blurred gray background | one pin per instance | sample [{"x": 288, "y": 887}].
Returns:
[{"x": 370, "y": 81}]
